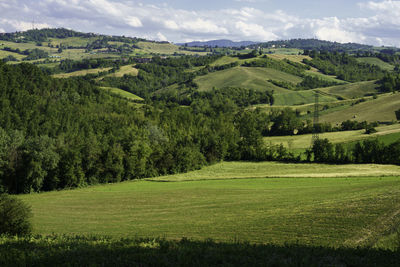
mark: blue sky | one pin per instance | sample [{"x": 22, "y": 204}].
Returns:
[{"x": 375, "y": 22}]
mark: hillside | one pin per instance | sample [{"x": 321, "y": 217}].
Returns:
[
  {"x": 381, "y": 109},
  {"x": 220, "y": 43}
]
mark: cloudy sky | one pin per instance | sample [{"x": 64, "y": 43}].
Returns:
[{"x": 374, "y": 22}]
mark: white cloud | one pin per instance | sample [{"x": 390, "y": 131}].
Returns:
[
  {"x": 139, "y": 19},
  {"x": 254, "y": 31},
  {"x": 161, "y": 37},
  {"x": 134, "y": 22},
  {"x": 203, "y": 26}
]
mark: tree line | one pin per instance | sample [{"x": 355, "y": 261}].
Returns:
[
  {"x": 63, "y": 133},
  {"x": 367, "y": 151},
  {"x": 344, "y": 66}
]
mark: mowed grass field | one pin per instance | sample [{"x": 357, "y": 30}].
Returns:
[
  {"x": 332, "y": 212},
  {"x": 377, "y": 62},
  {"x": 125, "y": 70},
  {"x": 122, "y": 93},
  {"x": 80, "y": 73},
  {"x": 304, "y": 141},
  {"x": 352, "y": 90},
  {"x": 164, "y": 48},
  {"x": 254, "y": 78},
  {"x": 381, "y": 109},
  {"x": 291, "y": 98}
]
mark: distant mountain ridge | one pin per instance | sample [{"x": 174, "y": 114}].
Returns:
[{"x": 220, "y": 43}]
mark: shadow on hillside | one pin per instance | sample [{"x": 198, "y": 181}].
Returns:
[{"x": 83, "y": 251}]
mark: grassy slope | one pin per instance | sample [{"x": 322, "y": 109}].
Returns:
[
  {"x": 122, "y": 93},
  {"x": 80, "y": 73},
  {"x": 294, "y": 58},
  {"x": 291, "y": 98},
  {"x": 4, "y": 54},
  {"x": 125, "y": 70},
  {"x": 381, "y": 109},
  {"x": 352, "y": 90},
  {"x": 164, "y": 48},
  {"x": 71, "y": 41},
  {"x": 256, "y": 78},
  {"x": 318, "y": 211},
  {"x": 304, "y": 141},
  {"x": 377, "y": 62}
]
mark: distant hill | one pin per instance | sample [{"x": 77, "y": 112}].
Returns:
[
  {"x": 220, "y": 43},
  {"x": 313, "y": 44}
]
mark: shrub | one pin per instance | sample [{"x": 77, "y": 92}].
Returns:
[{"x": 15, "y": 216}]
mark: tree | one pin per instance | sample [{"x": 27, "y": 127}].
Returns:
[
  {"x": 323, "y": 150},
  {"x": 15, "y": 216}
]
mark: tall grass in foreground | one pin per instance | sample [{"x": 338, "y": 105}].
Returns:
[{"x": 96, "y": 251}]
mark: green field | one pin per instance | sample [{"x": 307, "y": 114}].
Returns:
[
  {"x": 381, "y": 109},
  {"x": 80, "y": 73},
  {"x": 253, "y": 78},
  {"x": 352, "y": 90},
  {"x": 377, "y": 62},
  {"x": 125, "y": 70},
  {"x": 291, "y": 98},
  {"x": 4, "y": 54},
  {"x": 123, "y": 93},
  {"x": 304, "y": 141},
  {"x": 315, "y": 211},
  {"x": 294, "y": 58},
  {"x": 70, "y": 41},
  {"x": 164, "y": 49}
]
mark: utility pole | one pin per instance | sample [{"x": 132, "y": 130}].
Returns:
[{"x": 315, "y": 135}]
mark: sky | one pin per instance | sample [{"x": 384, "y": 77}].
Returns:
[{"x": 375, "y": 22}]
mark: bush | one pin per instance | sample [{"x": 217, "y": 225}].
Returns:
[{"x": 15, "y": 216}]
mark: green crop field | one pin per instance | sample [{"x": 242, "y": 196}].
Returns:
[
  {"x": 304, "y": 141},
  {"x": 291, "y": 98},
  {"x": 255, "y": 78},
  {"x": 164, "y": 48},
  {"x": 4, "y": 54},
  {"x": 210, "y": 204},
  {"x": 294, "y": 58},
  {"x": 324, "y": 76},
  {"x": 123, "y": 93},
  {"x": 125, "y": 70},
  {"x": 381, "y": 109},
  {"x": 80, "y": 73},
  {"x": 70, "y": 41},
  {"x": 352, "y": 90},
  {"x": 377, "y": 62}
]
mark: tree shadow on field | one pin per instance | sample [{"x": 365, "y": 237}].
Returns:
[{"x": 94, "y": 251}]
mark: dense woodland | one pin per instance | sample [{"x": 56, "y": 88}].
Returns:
[{"x": 58, "y": 133}]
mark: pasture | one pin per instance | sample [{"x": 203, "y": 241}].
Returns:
[
  {"x": 125, "y": 70},
  {"x": 253, "y": 78},
  {"x": 122, "y": 93},
  {"x": 331, "y": 209},
  {"x": 164, "y": 49},
  {"x": 377, "y": 62},
  {"x": 292, "y": 98},
  {"x": 81, "y": 73},
  {"x": 352, "y": 90},
  {"x": 304, "y": 141},
  {"x": 381, "y": 109}
]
